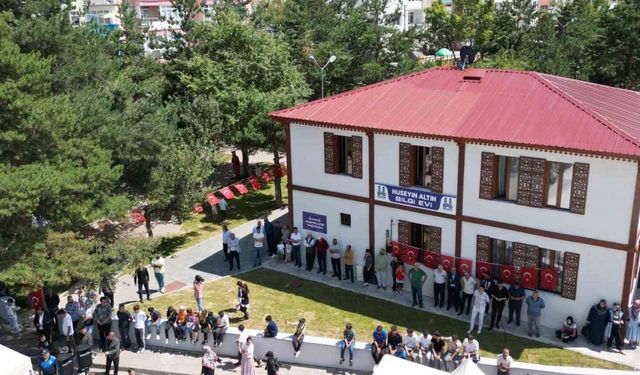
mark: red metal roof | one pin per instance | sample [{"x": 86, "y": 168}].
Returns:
[{"x": 512, "y": 107}]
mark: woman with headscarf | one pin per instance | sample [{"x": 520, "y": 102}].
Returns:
[
  {"x": 597, "y": 320},
  {"x": 633, "y": 328},
  {"x": 569, "y": 330},
  {"x": 209, "y": 359},
  {"x": 246, "y": 363},
  {"x": 614, "y": 325}
]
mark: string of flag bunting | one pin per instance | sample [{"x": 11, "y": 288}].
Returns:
[
  {"x": 266, "y": 175},
  {"x": 529, "y": 276}
]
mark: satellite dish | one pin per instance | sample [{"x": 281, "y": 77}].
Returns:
[{"x": 467, "y": 55}]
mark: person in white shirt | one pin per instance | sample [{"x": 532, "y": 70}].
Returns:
[
  {"x": 139, "y": 318},
  {"x": 480, "y": 301},
  {"x": 157, "y": 263},
  {"x": 439, "y": 285},
  {"x": 223, "y": 205},
  {"x": 504, "y": 362},
  {"x": 425, "y": 347},
  {"x": 66, "y": 327},
  {"x": 468, "y": 287},
  {"x": 296, "y": 239},
  {"x": 258, "y": 244},
  {"x": 221, "y": 328},
  {"x": 410, "y": 342},
  {"x": 334, "y": 254},
  {"x": 242, "y": 339},
  {"x": 471, "y": 348},
  {"x": 234, "y": 251},
  {"x": 226, "y": 234}
]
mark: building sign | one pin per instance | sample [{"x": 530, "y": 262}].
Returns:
[
  {"x": 417, "y": 198},
  {"x": 314, "y": 222}
]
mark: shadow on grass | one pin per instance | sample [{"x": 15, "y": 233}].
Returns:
[{"x": 385, "y": 311}]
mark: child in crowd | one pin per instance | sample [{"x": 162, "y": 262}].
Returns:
[
  {"x": 288, "y": 249},
  {"x": 399, "y": 279},
  {"x": 281, "y": 249}
]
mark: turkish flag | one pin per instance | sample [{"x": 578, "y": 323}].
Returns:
[
  {"x": 447, "y": 262},
  {"x": 254, "y": 182},
  {"x": 212, "y": 199},
  {"x": 464, "y": 265},
  {"x": 227, "y": 192},
  {"x": 37, "y": 299},
  {"x": 528, "y": 277},
  {"x": 279, "y": 170},
  {"x": 397, "y": 249},
  {"x": 430, "y": 259},
  {"x": 482, "y": 267},
  {"x": 198, "y": 209},
  {"x": 137, "y": 215},
  {"x": 548, "y": 278},
  {"x": 507, "y": 274},
  {"x": 410, "y": 254},
  {"x": 241, "y": 188},
  {"x": 266, "y": 176}
]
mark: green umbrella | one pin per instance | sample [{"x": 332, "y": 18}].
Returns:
[{"x": 443, "y": 52}]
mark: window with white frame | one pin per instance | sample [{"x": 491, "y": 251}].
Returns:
[{"x": 169, "y": 13}]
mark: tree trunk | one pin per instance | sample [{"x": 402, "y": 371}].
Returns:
[
  {"x": 276, "y": 161},
  {"x": 147, "y": 222},
  {"x": 245, "y": 160}
]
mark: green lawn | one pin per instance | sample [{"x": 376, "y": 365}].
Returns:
[
  {"x": 200, "y": 227},
  {"x": 328, "y": 309}
]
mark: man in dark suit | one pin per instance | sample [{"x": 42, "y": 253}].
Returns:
[
  {"x": 453, "y": 289},
  {"x": 112, "y": 352},
  {"x": 141, "y": 277}
]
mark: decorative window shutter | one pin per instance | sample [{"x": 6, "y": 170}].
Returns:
[
  {"x": 488, "y": 175},
  {"x": 532, "y": 256},
  {"x": 435, "y": 239},
  {"x": 405, "y": 164},
  {"x": 579, "y": 184},
  {"x": 356, "y": 156},
  {"x": 531, "y": 177},
  {"x": 570, "y": 275},
  {"x": 437, "y": 169},
  {"x": 483, "y": 249},
  {"x": 519, "y": 257},
  {"x": 330, "y": 153},
  {"x": 403, "y": 231}
]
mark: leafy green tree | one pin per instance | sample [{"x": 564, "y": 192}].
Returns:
[{"x": 513, "y": 20}]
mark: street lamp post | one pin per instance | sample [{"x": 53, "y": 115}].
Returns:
[{"x": 332, "y": 58}]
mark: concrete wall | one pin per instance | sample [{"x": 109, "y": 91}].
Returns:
[
  {"x": 307, "y": 159},
  {"x": 387, "y": 160},
  {"x": 609, "y": 197},
  {"x": 600, "y": 269},
  {"x": 488, "y": 365}
]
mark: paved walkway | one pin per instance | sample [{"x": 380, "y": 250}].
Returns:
[{"x": 151, "y": 361}]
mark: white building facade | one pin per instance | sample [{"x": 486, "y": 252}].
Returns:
[{"x": 561, "y": 222}]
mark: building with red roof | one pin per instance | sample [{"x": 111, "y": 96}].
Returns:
[{"x": 526, "y": 176}]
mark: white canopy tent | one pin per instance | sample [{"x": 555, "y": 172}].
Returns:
[
  {"x": 391, "y": 365},
  {"x": 14, "y": 362},
  {"x": 467, "y": 367}
]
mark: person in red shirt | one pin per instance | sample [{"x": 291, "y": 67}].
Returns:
[
  {"x": 235, "y": 162},
  {"x": 399, "y": 279},
  {"x": 321, "y": 251}
]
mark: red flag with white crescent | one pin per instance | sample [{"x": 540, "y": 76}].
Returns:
[
  {"x": 198, "y": 209},
  {"x": 430, "y": 259},
  {"x": 507, "y": 274},
  {"x": 240, "y": 187},
  {"x": 266, "y": 176},
  {"x": 482, "y": 267},
  {"x": 227, "y": 192},
  {"x": 464, "y": 265},
  {"x": 548, "y": 278},
  {"x": 37, "y": 299},
  {"x": 397, "y": 249},
  {"x": 447, "y": 262},
  {"x": 529, "y": 277},
  {"x": 410, "y": 254},
  {"x": 212, "y": 199},
  {"x": 254, "y": 182}
]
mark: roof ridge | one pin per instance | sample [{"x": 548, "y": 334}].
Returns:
[
  {"x": 358, "y": 90},
  {"x": 540, "y": 77}
]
